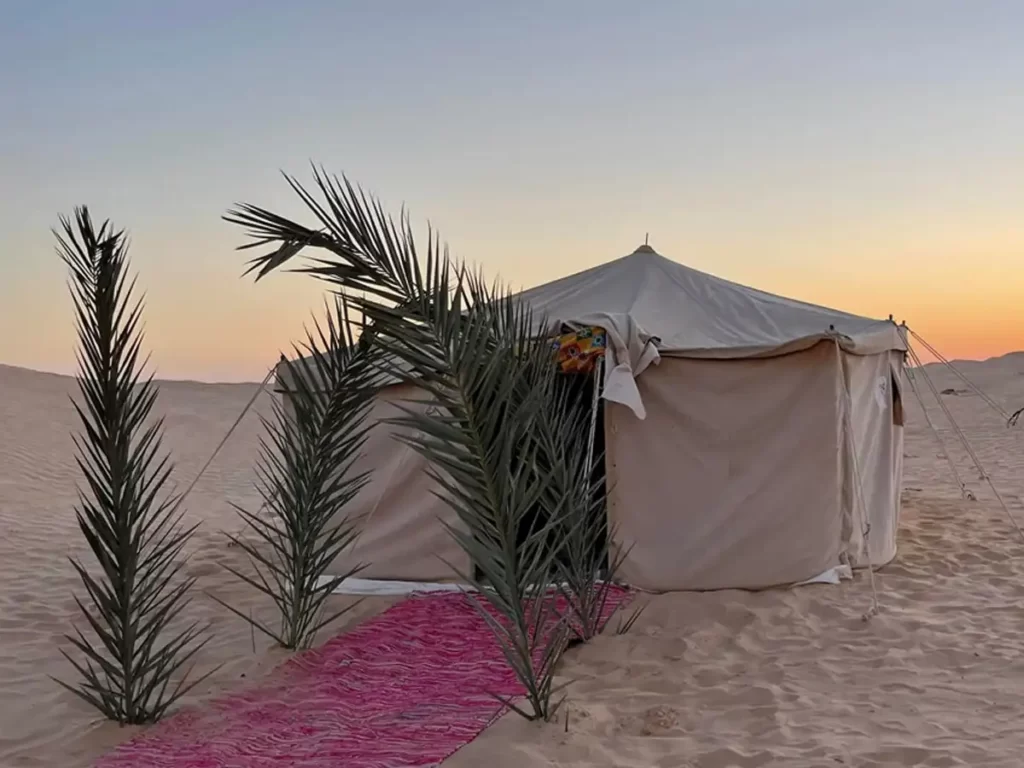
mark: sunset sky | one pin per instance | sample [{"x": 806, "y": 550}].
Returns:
[{"x": 865, "y": 155}]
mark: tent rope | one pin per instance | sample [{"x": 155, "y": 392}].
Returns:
[
  {"x": 964, "y": 492},
  {"x": 983, "y": 474},
  {"x": 209, "y": 461},
  {"x": 942, "y": 405},
  {"x": 973, "y": 387},
  {"x": 949, "y": 414},
  {"x": 858, "y": 479}
]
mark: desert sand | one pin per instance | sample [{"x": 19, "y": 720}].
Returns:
[{"x": 778, "y": 678}]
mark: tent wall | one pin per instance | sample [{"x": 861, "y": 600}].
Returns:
[
  {"x": 741, "y": 476},
  {"x": 734, "y": 478},
  {"x": 875, "y": 383},
  {"x": 402, "y": 535}
]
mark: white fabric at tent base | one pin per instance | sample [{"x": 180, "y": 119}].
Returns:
[
  {"x": 389, "y": 588},
  {"x": 353, "y": 585},
  {"x": 831, "y": 576}
]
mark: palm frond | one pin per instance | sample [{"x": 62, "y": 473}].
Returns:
[
  {"x": 629, "y": 621},
  {"x": 587, "y": 566},
  {"x": 486, "y": 376},
  {"x": 136, "y": 539},
  {"x": 307, "y": 479},
  {"x": 472, "y": 349}
]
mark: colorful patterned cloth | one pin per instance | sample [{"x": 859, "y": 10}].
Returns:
[
  {"x": 577, "y": 351},
  {"x": 405, "y": 689}
]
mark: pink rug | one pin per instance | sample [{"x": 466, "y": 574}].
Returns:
[{"x": 405, "y": 689}]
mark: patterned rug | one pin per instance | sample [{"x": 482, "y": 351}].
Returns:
[{"x": 405, "y": 689}]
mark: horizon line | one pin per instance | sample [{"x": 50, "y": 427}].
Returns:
[{"x": 241, "y": 382}]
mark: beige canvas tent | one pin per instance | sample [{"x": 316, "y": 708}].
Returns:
[{"x": 751, "y": 440}]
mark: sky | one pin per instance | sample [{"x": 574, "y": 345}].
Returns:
[{"x": 866, "y": 156}]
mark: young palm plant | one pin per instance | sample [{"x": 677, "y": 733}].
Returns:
[
  {"x": 481, "y": 441},
  {"x": 307, "y": 478},
  {"x": 587, "y": 567},
  {"x": 473, "y": 350},
  {"x": 136, "y": 536}
]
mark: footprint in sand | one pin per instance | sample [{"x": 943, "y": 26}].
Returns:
[{"x": 658, "y": 720}]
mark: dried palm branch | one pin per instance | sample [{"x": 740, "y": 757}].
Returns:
[
  {"x": 472, "y": 350},
  {"x": 307, "y": 479},
  {"x": 1014, "y": 417},
  {"x": 134, "y": 656}
]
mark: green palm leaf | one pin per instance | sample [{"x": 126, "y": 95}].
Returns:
[
  {"x": 472, "y": 350},
  {"x": 307, "y": 479},
  {"x": 587, "y": 567},
  {"x": 137, "y": 540}
]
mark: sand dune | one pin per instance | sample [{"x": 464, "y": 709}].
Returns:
[{"x": 779, "y": 678}]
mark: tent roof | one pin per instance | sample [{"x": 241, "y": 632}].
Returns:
[
  {"x": 687, "y": 313},
  {"x": 694, "y": 314}
]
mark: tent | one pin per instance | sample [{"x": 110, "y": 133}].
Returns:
[{"x": 750, "y": 440}]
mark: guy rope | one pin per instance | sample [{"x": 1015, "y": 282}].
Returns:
[
  {"x": 224, "y": 439},
  {"x": 905, "y": 332}
]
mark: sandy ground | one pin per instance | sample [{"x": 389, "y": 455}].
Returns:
[
  {"x": 40, "y": 723},
  {"x": 780, "y": 678}
]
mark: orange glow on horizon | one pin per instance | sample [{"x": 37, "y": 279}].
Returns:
[{"x": 237, "y": 337}]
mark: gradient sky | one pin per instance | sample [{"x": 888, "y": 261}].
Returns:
[{"x": 863, "y": 155}]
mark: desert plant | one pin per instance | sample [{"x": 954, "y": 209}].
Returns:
[
  {"x": 306, "y": 478},
  {"x": 135, "y": 536},
  {"x": 482, "y": 444},
  {"x": 574, "y": 500},
  {"x": 627, "y": 622},
  {"x": 472, "y": 349}
]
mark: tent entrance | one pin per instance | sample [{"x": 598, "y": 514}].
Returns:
[
  {"x": 583, "y": 390},
  {"x": 580, "y": 356}
]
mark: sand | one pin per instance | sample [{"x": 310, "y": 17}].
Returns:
[
  {"x": 779, "y": 678},
  {"x": 40, "y": 723}
]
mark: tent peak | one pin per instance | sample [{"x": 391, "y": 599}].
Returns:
[{"x": 645, "y": 248}]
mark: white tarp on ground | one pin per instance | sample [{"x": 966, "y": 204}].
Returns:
[{"x": 392, "y": 587}]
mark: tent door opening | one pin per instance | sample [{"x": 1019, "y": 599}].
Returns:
[
  {"x": 580, "y": 389},
  {"x": 581, "y": 394}
]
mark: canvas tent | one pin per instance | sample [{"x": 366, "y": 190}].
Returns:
[{"x": 751, "y": 440}]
